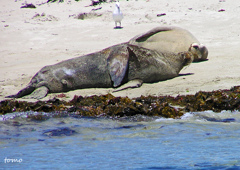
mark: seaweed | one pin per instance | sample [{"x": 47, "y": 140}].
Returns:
[
  {"x": 115, "y": 107},
  {"x": 29, "y": 6}
]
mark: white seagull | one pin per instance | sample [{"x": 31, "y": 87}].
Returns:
[{"x": 117, "y": 15}]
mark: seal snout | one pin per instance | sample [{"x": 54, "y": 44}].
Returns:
[{"x": 204, "y": 51}]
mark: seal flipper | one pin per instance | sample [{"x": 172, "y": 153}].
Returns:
[
  {"x": 39, "y": 93},
  {"x": 131, "y": 84},
  {"x": 143, "y": 37},
  {"x": 26, "y": 91},
  {"x": 117, "y": 63}
]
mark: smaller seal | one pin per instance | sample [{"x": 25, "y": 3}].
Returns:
[{"x": 171, "y": 40}]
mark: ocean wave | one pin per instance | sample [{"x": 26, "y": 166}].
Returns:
[{"x": 210, "y": 116}]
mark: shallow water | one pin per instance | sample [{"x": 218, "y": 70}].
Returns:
[{"x": 203, "y": 140}]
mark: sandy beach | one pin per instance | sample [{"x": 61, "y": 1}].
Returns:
[{"x": 33, "y": 38}]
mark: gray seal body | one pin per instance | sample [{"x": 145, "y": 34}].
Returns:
[{"x": 111, "y": 67}]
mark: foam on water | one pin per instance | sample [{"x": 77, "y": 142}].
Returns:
[
  {"x": 206, "y": 116},
  {"x": 14, "y": 115},
  {"x": 223, "y": 116}
]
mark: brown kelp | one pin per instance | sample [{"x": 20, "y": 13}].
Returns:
[{"x": 111, "y": 106}]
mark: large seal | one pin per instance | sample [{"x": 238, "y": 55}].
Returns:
[
  {"x": 111, "y": 67},
  {"x": 170, "y": 39}
]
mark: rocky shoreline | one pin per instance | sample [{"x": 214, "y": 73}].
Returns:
[{"x": 116, "y": 107}]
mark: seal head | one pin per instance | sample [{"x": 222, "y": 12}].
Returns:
[{"x": 199, "y": 51}]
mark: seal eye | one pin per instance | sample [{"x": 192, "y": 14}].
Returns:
[{"x": 195, "y": 47}]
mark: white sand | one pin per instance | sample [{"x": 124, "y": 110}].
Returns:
[{"x": 27, "y": 44}]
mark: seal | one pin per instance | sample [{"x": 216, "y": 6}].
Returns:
[
  {"x": 122, "y": 64},
  {"x": 170, "y": 39}
]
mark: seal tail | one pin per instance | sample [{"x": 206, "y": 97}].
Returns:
[{"x": 26, "y": 91}]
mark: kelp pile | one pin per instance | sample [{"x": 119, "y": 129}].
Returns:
[{"x": 114, "y": 107}]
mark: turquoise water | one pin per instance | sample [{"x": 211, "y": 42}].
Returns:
[{"x": 204, "y": 140}]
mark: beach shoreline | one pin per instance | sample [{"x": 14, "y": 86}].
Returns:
[{"x": 50, "y": 33}]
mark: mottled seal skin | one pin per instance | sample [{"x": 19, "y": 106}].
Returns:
[
  {"x": 170, "y": 39},
  {"x": 111, "y": 67}
]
